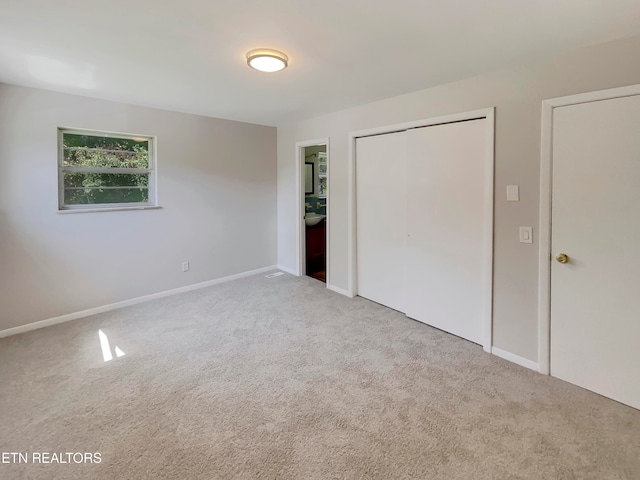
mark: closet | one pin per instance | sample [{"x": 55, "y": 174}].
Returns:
[{"x": 424, "y": 224}]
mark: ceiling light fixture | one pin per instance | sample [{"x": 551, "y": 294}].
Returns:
[{"x": 267, "y": 60}]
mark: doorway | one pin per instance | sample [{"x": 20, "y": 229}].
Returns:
[
  {"x": 313, "y": 161},
  {"x": 590, "y": 217}
]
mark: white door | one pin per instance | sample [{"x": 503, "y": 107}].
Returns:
[
  {"x": 595, "y": 297},
  {"x": 381, "y": 202},
  {"x": 446, "y": 243}
]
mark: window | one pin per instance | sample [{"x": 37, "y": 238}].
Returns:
[{"x": 101, "y": 170}]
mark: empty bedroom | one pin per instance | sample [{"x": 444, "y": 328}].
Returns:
[{"x": 319, "y": 240}]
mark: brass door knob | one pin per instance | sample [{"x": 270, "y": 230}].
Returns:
[{"x": 562, "y": 258}]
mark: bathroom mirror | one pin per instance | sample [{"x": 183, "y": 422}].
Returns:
[{"x": 308, "y": 178}]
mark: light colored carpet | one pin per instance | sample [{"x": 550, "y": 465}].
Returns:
[{"x": 281, "y": 378}]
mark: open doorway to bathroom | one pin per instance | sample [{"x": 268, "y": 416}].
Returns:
[{"x": 315, "y": 170}]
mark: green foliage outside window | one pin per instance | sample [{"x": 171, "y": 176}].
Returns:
[{"x": 84, "y": 153}]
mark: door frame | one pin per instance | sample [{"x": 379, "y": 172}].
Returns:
[
  {"x": 300, "y": 212},
  {"x": 485, "y": 113},
  {"x": 546, "y": 170}
]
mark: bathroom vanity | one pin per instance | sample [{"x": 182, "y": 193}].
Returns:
[{"x": 315, "y": 250}]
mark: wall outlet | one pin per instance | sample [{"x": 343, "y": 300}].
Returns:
[{"x": 185, "y": 266}]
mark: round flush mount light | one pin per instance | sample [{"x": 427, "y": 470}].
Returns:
[{"x": 267, "y": 60}]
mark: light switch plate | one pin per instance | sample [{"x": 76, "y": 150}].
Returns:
[
  {"x": 526, "y": 235},
  {"x": 513, "y": 193}
]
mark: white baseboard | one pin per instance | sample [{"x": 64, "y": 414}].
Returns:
[
  {"x": 341, "y": 291},
  {"x": 523, "y": 362},
  {"x": 126, "y": 303},
  {"x": 288, "y": 270}
]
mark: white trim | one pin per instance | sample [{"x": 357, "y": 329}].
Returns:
[
  {"x": 608, "y": 94},
  {"x": 339, "y": 290},
  {"x": 489, "y": 114},
  {"x": 427, "y": 122},
  {"x": 523, "y": 362},
  {"x": 544, "y": 250},
  {"x": 328, "y": 218},
  {"x": 115, "y": 209},
  {"x": 546, "y": 194},
  {"x": 60, "y": 132},
  {"x": 290, "y": 271},
  {"x": 489, "y": 159},
  {"x": 352, "y": 253},
  {"x": 300, "y": 250},
  {"x": 126, "y": 303}
]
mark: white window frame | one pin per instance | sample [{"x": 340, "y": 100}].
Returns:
[{"x": 96, "y": 207}]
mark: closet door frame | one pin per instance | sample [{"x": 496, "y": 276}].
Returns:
[{"x": 489, "y": 115}]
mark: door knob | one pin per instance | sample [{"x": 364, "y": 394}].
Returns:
[{"x": 562, "y": 258}]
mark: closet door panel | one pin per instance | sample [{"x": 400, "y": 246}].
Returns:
[
  {"x": 446, "y": 227},
  {"x": 381, "y": 203}
]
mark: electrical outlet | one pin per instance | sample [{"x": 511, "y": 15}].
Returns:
[{"x": 185, "y": 266}]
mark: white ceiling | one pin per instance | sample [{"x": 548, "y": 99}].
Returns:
[{"x": 189, "y": 55}]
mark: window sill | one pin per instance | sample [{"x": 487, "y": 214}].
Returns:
[{"x": 109, "y": 209}]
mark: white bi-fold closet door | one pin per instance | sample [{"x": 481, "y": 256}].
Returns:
[{"x": 422, "y": 224}]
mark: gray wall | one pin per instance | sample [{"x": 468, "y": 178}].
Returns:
[
  {"x": 517, "y": 93},
  {"x": 216, "y": 187}
]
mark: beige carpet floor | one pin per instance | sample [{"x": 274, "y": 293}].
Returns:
[{"x": 282, "y": 379}]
